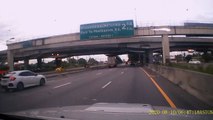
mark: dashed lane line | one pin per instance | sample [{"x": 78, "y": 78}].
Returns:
[
  {"x": 62, "y": 85},
  {"x": 107, "y": 84}
]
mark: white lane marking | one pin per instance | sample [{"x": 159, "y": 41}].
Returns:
[
  {"x": 107, "y": 84},
  {"x": 122, "y": 72},
  {"x": 99, "y": 73},
  {"x": 62, "y": 85}
]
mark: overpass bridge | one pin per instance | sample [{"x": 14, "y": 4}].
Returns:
[{"x": 145, "y": 39}]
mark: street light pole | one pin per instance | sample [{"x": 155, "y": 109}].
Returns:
[{"x": 7, "y": 41}]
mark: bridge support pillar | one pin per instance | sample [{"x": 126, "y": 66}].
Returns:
[
  {"x": 150, "y": 54},
  {"x": 111, "y": 60},
  {"x": 144, "y": 58},
  {"x": 58, "y": 62},
  {"x": 140, "y": 58},
  {"x": 39, "y": 63},
  {"x": 10, "y": 60},
  {"x": 26, "y": 63},
  {"x": 166, "y": 49}
]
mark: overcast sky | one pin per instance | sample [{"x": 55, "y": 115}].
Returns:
[{"x": 27, "y": 19}]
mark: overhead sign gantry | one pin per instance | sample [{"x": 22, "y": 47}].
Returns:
[{"x": 104, "y": 30}]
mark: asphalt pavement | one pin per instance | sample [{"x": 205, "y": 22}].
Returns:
[{"x": 112, "y": 85}]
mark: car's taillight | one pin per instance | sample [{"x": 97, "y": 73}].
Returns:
[{"x": 12, "y": 78}]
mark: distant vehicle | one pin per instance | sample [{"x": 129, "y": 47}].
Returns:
[
  {"x": 112, "y": 62},
  {"x": 194, "y": 61},
  {"x": 132, "y": 63},
  {"x": 21, "y": 79},
  {"x": 135, "y": 63}
]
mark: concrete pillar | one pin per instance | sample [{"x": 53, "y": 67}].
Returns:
[
  {"x": 10, "y": 60},
  {"x": 39, "y": 63},
  {"x": 140, "y": 58},
  {"x": 111, "y": 60},
  {"x": 150, "y": 54},
  {"x": 58, "y": 62},
  {"x": 144, "y": 58},
  {"x": 166, "y": 50},
  {"x": 26, "y": 63}
]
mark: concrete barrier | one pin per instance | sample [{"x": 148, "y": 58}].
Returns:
[
  {"x": 197, "y": 84},
  {"x": 51, "y": 74}
]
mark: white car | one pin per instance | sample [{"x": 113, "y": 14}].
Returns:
[
  {"x": 21, "y": 79},
  {"x": 194, "y": 61}
]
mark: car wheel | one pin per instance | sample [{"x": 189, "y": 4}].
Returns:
[
  {"x": 42, "y": 82},
  {"x": 20, "y": 86}
]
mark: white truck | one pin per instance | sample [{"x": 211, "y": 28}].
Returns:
[{"x": 112, "y": 61}]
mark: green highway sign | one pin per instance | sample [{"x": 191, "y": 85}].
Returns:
[{"x": 106, "y": 30}]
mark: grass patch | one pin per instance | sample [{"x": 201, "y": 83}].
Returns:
[{"x": 204, "y": 68}]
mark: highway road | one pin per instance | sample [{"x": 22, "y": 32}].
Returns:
[{"x": 113, "y": 85}]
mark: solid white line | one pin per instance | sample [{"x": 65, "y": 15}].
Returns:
[
  {"x": 106, "y": 84},
  {"x": 62, "y": 85}
]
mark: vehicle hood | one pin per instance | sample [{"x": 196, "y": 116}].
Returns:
[{"x": 103, "y": 111}]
